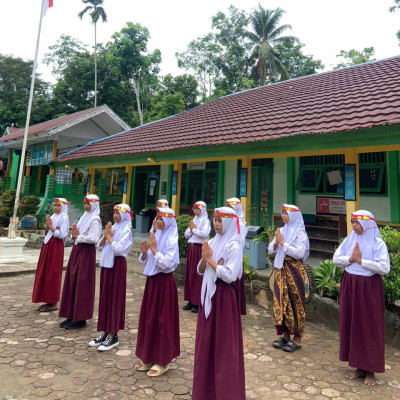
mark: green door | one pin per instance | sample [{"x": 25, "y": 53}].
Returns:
[{"x": 261, "y": 196}]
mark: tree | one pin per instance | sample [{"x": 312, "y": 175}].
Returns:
[
  {"x": 234, "y": 61},
  {"x": 134, "y": 65},
  {"x": 393, "y": 9},
  {"x": 15, "y": 81},
  {"x": 354, "y": 57},
  {"x": 96, "y": 12},
  {"x": 200, "y": 57},
  {"x": 267, "y": 33},
  {"x": 296, "y": 63}
]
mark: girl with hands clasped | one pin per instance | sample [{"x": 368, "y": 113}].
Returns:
[
  {"x": 47, "y": 284},
  {"x": 365, "y": 257},
  {"x": 218, "y": 359},
  {"x": 158, "y": 341},
  {"x": 198, "y": 230},
  {"x": 291, "y": 249},
  {"x": 114, "y": 247}
]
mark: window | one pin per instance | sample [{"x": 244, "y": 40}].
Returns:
[
  {"x": 373, "y": 173},
  {"x": 314, "y": 174}
]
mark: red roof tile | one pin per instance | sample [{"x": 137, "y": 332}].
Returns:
[
  {"x": 44, "y": 126},
  {"x": 358, "y": 97}
]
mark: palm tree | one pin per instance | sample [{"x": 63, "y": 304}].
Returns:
[
  {"x": 267, "y": 33},
  {"x": 96, "y": 12}
]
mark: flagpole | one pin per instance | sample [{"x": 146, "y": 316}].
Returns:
[{"x": 12, "y": 229}]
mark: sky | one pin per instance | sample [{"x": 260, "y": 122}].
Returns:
[{"x": 324, "y": 26}]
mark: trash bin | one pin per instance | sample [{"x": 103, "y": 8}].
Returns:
[
  {"x": 256, "y": 251},
  {"x": 143, "y": 220}
]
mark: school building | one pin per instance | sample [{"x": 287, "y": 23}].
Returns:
[{"x": 328, "y": 143}]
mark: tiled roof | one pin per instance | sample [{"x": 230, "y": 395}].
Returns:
[
  {"x": 357, "y": 97},
  {"x": 44, "y": 126}
]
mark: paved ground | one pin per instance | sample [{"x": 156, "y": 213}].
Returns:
[{"x": 39, "y": 360}]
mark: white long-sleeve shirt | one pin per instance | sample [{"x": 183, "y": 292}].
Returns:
[
  {"x": 62, "y": 230},
  {"x": 296, "y": 249},
  {"x": 92, "y": 235},
  {"x": 163, "y": 262},
  {"x": 200, "y": 233},
  {"x": 120, "y": 248}
]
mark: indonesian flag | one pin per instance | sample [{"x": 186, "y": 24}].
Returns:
[{"x": 46, "y": 5}]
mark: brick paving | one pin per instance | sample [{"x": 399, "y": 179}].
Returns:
[{"x": 40, "y": 360}]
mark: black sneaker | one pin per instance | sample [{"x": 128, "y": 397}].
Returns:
[
  {"x": 195, "y": 309},
  {"x": 99, "y": 340},
  {"x": 188, "y": 306},
  {"x": 109, "y": 343},
  {"x": 64, "y": 323},
  {"x": 75, "y": 325}
]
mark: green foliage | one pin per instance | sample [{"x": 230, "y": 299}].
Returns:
[
  {"x": 183, "y": 222},
  {"x": 327, "y": 277},
  {"x": 248, "y": 270},
  {"x": 391, "y": 281},
  {"x": 354, "y": 57},
  {"x": 266, "y": 236},
  {"x": 28, "y": 205},
  {"x": 7, "y": 200}
]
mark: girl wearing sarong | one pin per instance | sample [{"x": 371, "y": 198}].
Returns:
[
  {"x": 158, "y": 341},
  {"x": 291, "y": 246},
  {"x": 198, "y": 230},
  {"x": 114, "y": 247},
  {"x": 47, "y": 284},
  {"x": 236, "y": 204},
  {"x": 77, "y": 300},
  {"x": 218, "y": 358},
  {"x": 365, "y": 257}
]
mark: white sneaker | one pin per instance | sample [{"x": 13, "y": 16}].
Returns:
[
  {"x": 109, "y": 343},
  {"x": 99, "y": 340}
]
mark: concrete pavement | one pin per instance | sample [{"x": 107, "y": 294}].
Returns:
[{"x": 39, "y": 360}]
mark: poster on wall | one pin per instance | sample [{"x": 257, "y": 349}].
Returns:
[
  {"x": 350, "y": 182},
  {"x": 331, "y": 205},
  {"x": 243, "y": 182}
]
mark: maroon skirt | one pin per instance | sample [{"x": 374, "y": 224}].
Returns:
[
  {"x": 112, "y": 297},
  {"x": 218, "y": 358},
  {"x": 158, "y": 339},
  {"x": 241, "y": 289},
  {"x": 47, "y": 284},
  {"x": 77, "y": 300},
  {"x": 193, "y": 280},
  {"x": 362, "y": 322}
]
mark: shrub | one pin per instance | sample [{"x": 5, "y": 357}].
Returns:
[
  {"x": 327, "y": 277},
  {"x": 28, "y": 205},
  {"x": 391, "y": 280},
  {"x": 7, "y": 200},
  {"x": 183, "y": 222},
  {"x": 248, "y": 270}
]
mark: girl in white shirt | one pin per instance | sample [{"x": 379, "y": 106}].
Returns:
[{"x": 365, "y": 257}]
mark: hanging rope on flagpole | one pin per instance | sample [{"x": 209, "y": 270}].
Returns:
[{"x": 12, "y": 229}]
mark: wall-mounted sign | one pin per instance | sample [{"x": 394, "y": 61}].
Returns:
[
  {"x": 243, "y": 182},
  {"x": 39, "y": 156},
  {"x": 196, "y": 165},
  {"x": 350, "y": 182},
  {"x": 28, "y": 222},
  {"x": 331, "y": 205},
  {"x": 174, "y": 183}
]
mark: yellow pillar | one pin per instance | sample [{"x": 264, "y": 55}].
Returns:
[
  {"x": 39, "y": 173},
  {"x": 91, "y": 184},
  {"x": 126, "y": 196},
  {"x": 246, "y": 200},
  {"x": 176, "y": 198},
  {"x": 112, "y": 181},
  {"x": 351, "y": 157},
  {"x": 28, "y": 171}
]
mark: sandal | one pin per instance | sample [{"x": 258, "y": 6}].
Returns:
[
  {"x": 47, "y": 308},
  {"x": 279, "y": 343},
  {"x": 159, "y": 370},
  {"x": 143, "y": 366},
  {"x": 40, "y": 307},
  {"x": 290, "y": 347}
]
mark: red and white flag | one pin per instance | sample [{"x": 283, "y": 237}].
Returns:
[{"x": 47, "y": 4}]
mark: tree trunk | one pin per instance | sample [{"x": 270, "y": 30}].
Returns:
[
  {"x": 95, "y": 65},
  {"x": 136, "y": 87}
]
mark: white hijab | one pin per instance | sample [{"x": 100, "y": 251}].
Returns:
[
  {"x": 166, "y": 238},
  {"x": 220, "y": 245},
  {"x": 87, "y": 217},
  {"x": 162, "y": 203},
  {"x": 236, "y": 204},
  {"x": 125, "y": 225},
  {"x": 369, "y": 241},
  {"x": 57, "y": 218},
  {"x": 290, "y": 232},
  {"x": 198, "y": 220}
]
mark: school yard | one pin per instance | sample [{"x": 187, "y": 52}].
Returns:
[{"x": 40, "y": 360}]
